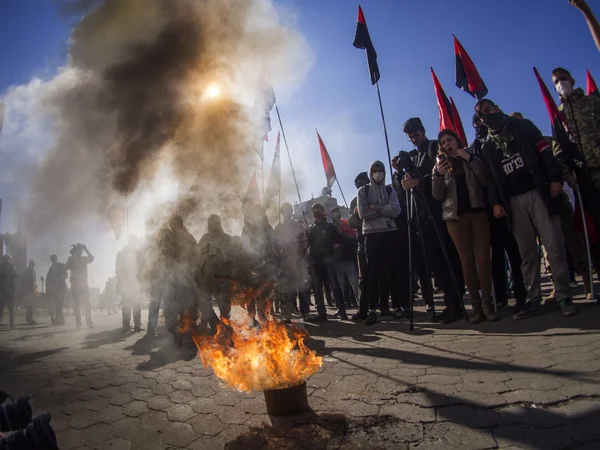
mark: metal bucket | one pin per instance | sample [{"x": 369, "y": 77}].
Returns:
[{"x": 288, "y": 401}]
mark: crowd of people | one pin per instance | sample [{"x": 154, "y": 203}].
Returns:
[{"x": 460, "y": 215}]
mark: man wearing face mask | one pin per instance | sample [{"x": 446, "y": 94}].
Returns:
[
  {"x": 502, "y": 240},
  {"x": 323, "y": 239},
  {"x": 582, "y": 114},
  {"x": 424, "y": 162},
  {"x": 378, "y": 207},
  {"x": 525, "y": 180}
]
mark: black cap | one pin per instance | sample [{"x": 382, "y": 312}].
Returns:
[
  {"x": 363, "y": 176},
  {"x": 413, "y": 124}
]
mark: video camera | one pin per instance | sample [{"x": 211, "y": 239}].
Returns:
[
  {"x": 26, "y": 433},
  {"x": 406, "y": 164}
]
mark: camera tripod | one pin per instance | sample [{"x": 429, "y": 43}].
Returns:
[{"x": 413, "y": 197}]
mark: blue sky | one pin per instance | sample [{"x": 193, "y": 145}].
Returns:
[
  {"x": 410, "y": 36},
  {"x": 505, "y": 40}
]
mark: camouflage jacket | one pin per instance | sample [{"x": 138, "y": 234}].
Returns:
[{"x": 582, "y": 114}]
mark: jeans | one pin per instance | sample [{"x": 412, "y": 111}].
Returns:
[
  {"x": 321, "y": 272},
  {"x": 504, "y": 245},
  {"x": 81, "y": 293},
  {"x": 529, "y": 219},
  {"x": 346, "y": 270}
]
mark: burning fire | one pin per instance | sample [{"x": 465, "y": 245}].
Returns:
[{"x": 250, "y": 358}]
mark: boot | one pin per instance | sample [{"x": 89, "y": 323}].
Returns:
[
  {"x": 488, "y": 310},
  {"x": 452, "y": 313},
  {"x": 477, "y": 316}
]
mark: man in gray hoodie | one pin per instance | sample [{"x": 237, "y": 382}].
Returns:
[{"x": 378, "y": 206}]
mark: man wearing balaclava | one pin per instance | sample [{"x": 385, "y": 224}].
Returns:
[
  {"x": 378, "y": 207},
  {"x": 582, "y": 114},
  {"x": 323, "y": 239},
  {"x": 524, "y": 183},
  {"x": 419, "y": 183},
  {"x": 502, "y": 240}
]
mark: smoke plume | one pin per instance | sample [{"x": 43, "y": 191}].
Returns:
[{"x": 129, "y": 112}]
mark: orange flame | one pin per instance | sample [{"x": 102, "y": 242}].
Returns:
[{"x": 250, "y": 358}]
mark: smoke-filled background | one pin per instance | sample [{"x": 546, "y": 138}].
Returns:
[{"x": 128, "y": 121}]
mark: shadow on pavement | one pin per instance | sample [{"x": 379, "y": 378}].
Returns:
[
  {"x": 105, "y": 337},
  {"x": 29, "y": 358}
]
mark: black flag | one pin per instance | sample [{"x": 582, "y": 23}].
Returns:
[{"x": 362, "y": 39}]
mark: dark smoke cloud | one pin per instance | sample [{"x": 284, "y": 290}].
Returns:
[{"x": 130, "y": 101}]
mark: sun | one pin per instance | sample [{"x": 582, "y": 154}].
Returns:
[{"x": 213, "y": 90}]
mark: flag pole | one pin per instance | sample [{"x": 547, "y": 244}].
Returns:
[
  {"x": 387, "y": 143},
  {"x": 290, "y": 158},
  {"x": 342, "y": 192}
]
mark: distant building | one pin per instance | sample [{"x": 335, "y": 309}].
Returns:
[{"x": 325, "y": 199}]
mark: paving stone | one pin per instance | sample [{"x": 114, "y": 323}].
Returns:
[
  {"x": 116, "y": 444},
  {"x": 408, "y": 413},
  {"x": 135, "y": 408},
  {"x": 120, "y": 399},
  {"x": 208, "y": 424},
  {"x": 180, "y": 413},
  {"x": 85, "y": 419},
  {"x": 179, "y": 434},
  {"x": 159, "y": 403},
  {"x": 110, "y": 414},
  {"x": 97, "y": 435},
  {"x": 469, "y": 416},
  {"x": 444, "y": 435},
  {"x": 531, "y": 396}
]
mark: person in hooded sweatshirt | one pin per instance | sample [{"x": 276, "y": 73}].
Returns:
[{"x": 378, "y": 206}]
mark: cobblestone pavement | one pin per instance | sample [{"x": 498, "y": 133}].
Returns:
[{"x": 528, "y": 384}]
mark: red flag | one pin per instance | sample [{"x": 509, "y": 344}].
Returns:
[
  {"x": 444, "y": 105},
  {"x": 362, "y": 39},
  {"x": 458, "y": 126},
  {"x": 264, "y": 100},
  {"x": 327, "y": 164},
  {"x": 467, "y": 76},
  {"x": 117, "y": 215},
  {"x": 252, "y": 194},
  {"x": 591, "y": 88},
  {"x": 274, "y": 183}
]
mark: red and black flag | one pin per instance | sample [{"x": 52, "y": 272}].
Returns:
[
  {"x": 458, "y": 126},
  {"x": 252, "y": 195},
  {"x": 362, "y": 39},
  {"x": 327, "y": 164},
  {"x": 274, "y": 183},
  {"x": 591, "y": 88},
  {"x": 559, "y": 125},
  {"x": 444, "y": 105},
  {"x": 467, "y": 76}
]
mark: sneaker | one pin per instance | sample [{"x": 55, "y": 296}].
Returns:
[
  {"x": 567, "y": 307},
  {"x": 551, "y": 299},
  {"x": 343, "y": 316},
  {"x": 318, "y": 318},
  {"x": 501, "y": 304},
  {"x": 589, "y": 297},
  {"x": 477, "y": 317},
  {"x": 386, "y": 313},
  {"x": 429, "y": 308},
  {"x": 137, "y": 328},
  {"x": 306, "y": 317},
  {"x": 531, "y": 308},
  {"x": 400, "y": 313},
  {"x": 492, "y": 317},
  {"x": 358, "y": 317},
  {"x": 371, "y": 318}
]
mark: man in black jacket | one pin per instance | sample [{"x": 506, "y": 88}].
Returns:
[
  {"x": 525, "y": 180},
  {"x": 502, "y": 240},
  {"x": 423, "y": 161},
  {"x": 323, "y": 239}
]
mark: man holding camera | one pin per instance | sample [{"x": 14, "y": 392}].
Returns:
[
  {"x": 80, "y": 291},
  {"x": 417, "y": 177}
]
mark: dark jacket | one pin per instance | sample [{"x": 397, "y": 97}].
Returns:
[
  {"x": 321, "y": 237},
  {"x": 424, "y": 161},
  {"x": 56, "y": 279},
  {"x": 537, "y": 156},
  {"x": 444, "y": 187}
]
